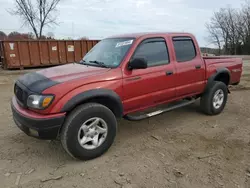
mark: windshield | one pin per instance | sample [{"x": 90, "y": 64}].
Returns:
[{"x": 108, "y": 52}]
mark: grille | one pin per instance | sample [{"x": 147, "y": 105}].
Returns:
[{"x": 20, "y": 94}]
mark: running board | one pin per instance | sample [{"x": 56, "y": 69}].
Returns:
[{"x": 144, "y": 116}]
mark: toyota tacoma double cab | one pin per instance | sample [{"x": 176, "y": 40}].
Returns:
[{"x": 124, "y": 76}]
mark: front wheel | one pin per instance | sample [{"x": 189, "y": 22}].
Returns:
[
  {"x": 89, "y": 131},
  {"x": 214, "y": 99}
]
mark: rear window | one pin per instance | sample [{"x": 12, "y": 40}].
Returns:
[{"x": 184, "y": 49}]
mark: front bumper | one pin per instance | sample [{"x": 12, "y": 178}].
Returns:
[{"x": 36, "y": 125}]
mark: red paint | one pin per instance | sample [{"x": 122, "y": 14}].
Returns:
[
  {"x": 232, "y": 64},
  {"x": 31, "y": 114},
  {"x": 142, "y": 88}
]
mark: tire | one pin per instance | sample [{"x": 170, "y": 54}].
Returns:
[
  {"x": 207, "y": 99},
  {"x": 72, "y": 131}
]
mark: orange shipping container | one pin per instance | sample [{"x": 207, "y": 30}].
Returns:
[{"x": 38, "y": 53}]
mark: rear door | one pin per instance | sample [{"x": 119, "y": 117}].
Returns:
[
  {"x": 190, "y": 67},
  {"x": 155, "y": 84}
]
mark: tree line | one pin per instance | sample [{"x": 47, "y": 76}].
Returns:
[
  {"x": 24, "y": 36},
  {"x": 30, "y": 36},
  {"x": 229, "y": 30}
]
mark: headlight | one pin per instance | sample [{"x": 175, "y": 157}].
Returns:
[{"x": 39, "y": 101}]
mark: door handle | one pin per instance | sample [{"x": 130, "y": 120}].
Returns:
[
  {"x": 197, "y": 66},
  {"x": 168, "y": 73}
]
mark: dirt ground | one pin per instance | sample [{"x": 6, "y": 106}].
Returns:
[{"x": 182, "y": 148}]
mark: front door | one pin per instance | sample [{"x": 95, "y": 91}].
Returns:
[{"x": 145, "y": 87}]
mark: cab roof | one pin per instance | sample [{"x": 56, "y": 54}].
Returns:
[{"x": 148, "y": 34}]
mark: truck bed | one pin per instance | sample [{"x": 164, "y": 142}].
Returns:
[{"x": 233, "y": 64}]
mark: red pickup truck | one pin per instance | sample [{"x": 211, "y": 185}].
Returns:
[{"x": 119, "y": 77}]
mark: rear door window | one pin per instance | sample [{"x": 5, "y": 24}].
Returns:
[{"x": 184, "y": 49}]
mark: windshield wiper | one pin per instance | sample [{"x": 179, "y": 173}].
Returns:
[
  {"x": 99, "y": 63},
  {"x": 82, "y": 62}
]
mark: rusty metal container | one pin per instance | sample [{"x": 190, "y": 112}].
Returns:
[{"x": 38, "y": 53}]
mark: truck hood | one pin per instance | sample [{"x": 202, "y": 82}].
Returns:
[
  {"x": 41, "y": 80},
  {"x": 71, "y": 71}
]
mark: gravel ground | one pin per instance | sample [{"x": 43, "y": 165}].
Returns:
[{"x": 182, "y": 148}]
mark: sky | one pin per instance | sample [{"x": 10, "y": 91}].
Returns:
[{"x": 97, "y": 19}]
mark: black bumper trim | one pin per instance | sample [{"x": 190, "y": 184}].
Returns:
[{"x": 47, "y": 129}]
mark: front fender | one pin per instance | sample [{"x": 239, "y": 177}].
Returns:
[{"x": 91, "y": 94}]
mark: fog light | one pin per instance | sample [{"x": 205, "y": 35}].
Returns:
[{"x": 33, "y": 132}]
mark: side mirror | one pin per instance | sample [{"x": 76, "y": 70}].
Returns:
[{"x": 138, "y": 63}]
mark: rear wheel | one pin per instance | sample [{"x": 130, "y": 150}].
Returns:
[
  {"x": 89, "y": 131},
  {"x": 214, "y": 100}
]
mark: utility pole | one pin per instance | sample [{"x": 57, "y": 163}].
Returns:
[{"x": 73, "y": 30}]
